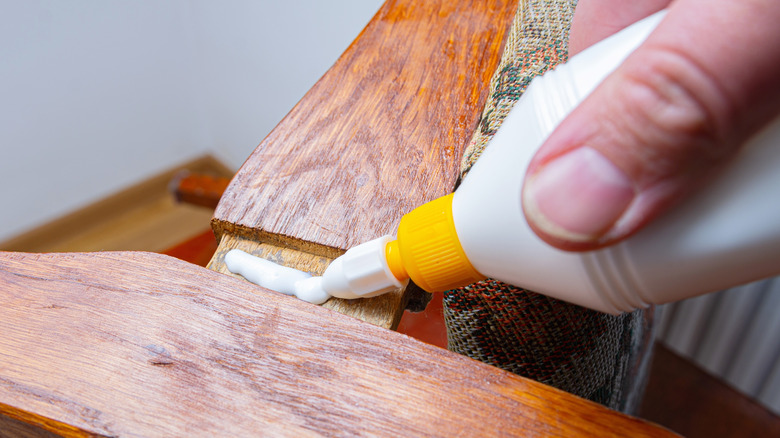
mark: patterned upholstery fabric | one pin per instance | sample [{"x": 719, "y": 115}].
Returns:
[{"x": 594, "y": 355}]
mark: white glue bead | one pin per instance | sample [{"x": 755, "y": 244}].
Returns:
[
  {"x": 282, "y": 279},
  {"x": 310, "y": 290}
]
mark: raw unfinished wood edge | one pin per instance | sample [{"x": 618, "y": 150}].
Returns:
[{"x": 383, "y": 311}]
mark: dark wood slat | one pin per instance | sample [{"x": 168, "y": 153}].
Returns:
[
  {"x": 688, "y": 400},
  {"x": 139, "y": 344},
  {"x": 197, "y": 250}
]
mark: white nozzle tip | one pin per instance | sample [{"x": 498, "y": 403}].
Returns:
[{"x": 362, "y": 272}]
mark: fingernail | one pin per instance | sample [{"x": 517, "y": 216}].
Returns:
[{"x": 578, "y": 196}]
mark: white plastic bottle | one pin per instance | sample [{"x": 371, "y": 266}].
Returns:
[{"x": 727, "y": 234}]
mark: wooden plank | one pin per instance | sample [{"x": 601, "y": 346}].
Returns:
[
  {"x": 139, "y": 344},
  {"x": 380, "y": 134},
  {"x": 692, "y": 402},
  {"x": 199, "y": 189},
  {"x": 197, "y": 250}
]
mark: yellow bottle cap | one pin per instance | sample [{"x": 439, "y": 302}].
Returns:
[{"x": 428, "y": 251}]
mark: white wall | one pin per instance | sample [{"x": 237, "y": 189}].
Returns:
[{"x": 99, "y": 94}]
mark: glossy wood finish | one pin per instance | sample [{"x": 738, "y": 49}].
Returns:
[
  {"x": 138, "y": 344},
  {"x": 380, "y": 134},
  {"x": 199, "y": 189}
]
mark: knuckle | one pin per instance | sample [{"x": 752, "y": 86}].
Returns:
[{"x": 671, "y": 104}]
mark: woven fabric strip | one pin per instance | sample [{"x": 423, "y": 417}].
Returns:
[
  {"x": 537, "y": 42},
  {"x": 596, "y": 356}
]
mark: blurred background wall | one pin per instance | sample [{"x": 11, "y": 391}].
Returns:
[{"x": 99, "y": 94}]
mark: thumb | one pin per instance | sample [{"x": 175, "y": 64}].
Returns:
[{"x": 656, "y": 129}]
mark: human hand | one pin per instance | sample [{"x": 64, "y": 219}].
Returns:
[{"x": 663, "y": 123}]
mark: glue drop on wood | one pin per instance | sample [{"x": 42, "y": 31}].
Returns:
[{"x": 727, "y": 234}]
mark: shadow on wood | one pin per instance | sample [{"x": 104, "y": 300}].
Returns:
[{"x": 687, "y": 399}]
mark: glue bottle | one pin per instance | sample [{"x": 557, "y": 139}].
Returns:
[{"x": 726, "y": 235}]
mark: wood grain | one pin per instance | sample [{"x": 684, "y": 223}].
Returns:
[
  {"x": 139, "y": 344},
  {"x": 380, "y": 134}
]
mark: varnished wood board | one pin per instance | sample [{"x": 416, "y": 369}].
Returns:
[
  {"x": 139, "y": 344},
  {"x": 687, "y": 399},
  {"x": 380, "y": 134}
]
